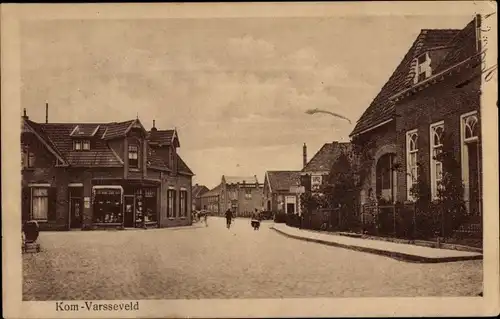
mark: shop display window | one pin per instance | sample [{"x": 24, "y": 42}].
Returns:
[{"x": 107, "y": 206}]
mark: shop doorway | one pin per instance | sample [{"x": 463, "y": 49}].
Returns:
[
  {"x": 129, "y": 205},
  {"x": 76, "y": 212}
]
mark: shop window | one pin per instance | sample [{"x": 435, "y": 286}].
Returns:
[
  {"x": 436, "y": 137},
  {"x": 133, "y": 156},
  {"x": 150, "y": 205},
  {"x": 411, "y": 161},
  {"x": 40, "y": 203},
  {"x": 107, "y": 206},
  {"x": 27, "y": 157}
]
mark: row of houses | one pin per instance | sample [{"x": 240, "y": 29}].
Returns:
[
  {"x": 434, "y": 91},
  {"x": 94, "y": 175}
]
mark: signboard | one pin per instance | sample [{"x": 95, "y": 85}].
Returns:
[
  {"x": 86, "y": 202},
  {"x": 316, "y": 181},
  {"x": 297, "y": 189}
]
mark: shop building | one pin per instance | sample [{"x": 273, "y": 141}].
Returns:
[{"x": 103, "y": 175}]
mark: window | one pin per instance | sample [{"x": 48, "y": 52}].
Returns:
[
  {"x": 77, "y": 145},
  {"x": 150, "y": 205},
  {"x": 27, "y": 157},
  {"x": 411, "y": 161},
  {"x": 423, "y": 68},
  {"x": 86, "y": 145},
  {"x": 436, "y": 143},
  {"x": 183, "y": 195},
  {"x": 107, "y": 204},
  {"x": 248, "y": 193},
  {"x": 133, "y": 156},
  {"x": 233, "y": 194},
  {"x": 171, "y": 203},
  {"x": 40, "y": 203},
  {"x": 471, "y": 128},
  {"x": 316, "y": 181}
]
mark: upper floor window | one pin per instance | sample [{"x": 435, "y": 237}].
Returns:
[
  {"x": 411, "y": 161},
  {"x": 133, "y": 156},
  {"x": 436, "y": 141},
  {"x": 248, "y": 193},
  {"x": 79, "y": 145},
  {"x": 423, "y": 68},
  {"x": 27, "y": 157}
]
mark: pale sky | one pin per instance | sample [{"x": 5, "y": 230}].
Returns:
[{"x": 235, "y": 89}]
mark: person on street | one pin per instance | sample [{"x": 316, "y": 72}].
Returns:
[
  {"x": 205, "y": 216},
  {"x": 229, "y": 217}
]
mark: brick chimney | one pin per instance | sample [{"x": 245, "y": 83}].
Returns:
[
  {"x": 304, "y": 155},
  {"x": 25, "y": 117},
  {"x": 46, "y": 112}
]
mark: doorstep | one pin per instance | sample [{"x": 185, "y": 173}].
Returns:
[{"x": 399, "y": 251}]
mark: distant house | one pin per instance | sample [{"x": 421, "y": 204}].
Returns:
[
  {"x": 315, "y": 171},
  {"x": 434, "y": 90},
  {"x": 242, "y": 194},
  {"x": 211, "y": 200},
  {"x": 197, "y": 192},
  {"x": 280, "y": 191},
  {"x": 91, "y": 175}
]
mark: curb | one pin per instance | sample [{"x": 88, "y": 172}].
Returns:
[{"x": 395, "y": 255}]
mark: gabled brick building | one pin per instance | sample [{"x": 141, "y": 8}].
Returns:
[
  {"x": 279, "y": 194},
  {"x": 211, "y": 200},
  {"x": 197, "y": 192},
  {"x": 89, "y": 175},
  {"x": 242, "y": 194},
  {"x": 435, "y": 89}
]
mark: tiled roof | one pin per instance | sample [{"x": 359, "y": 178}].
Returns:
[
  {"x": 85, "y": 130},
  {"x": 324, "y": 159},
  {"x": 240, "y": 179},
  {"x": 155, "y": 160},
  {"x": 165, "y": 137},
  {"x": 464, "y": 45},
  {"x": 213, "y": 192},
  {"x": 182, "y": 166},
  {"x": 116, "y": 129},
  {"x": 283, "y": 180},
  {"x": 199, "y": 190},
  {"x": 381, "y": 110},
  {"x": 39, "y": 130}
]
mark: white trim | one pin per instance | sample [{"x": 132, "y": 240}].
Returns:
[
  {"x": 409, "y": 180},
  {"x": 172, "y": 188},
  {"x": 183, "y": 189},
  {"x": 39, "y": 185},
  {"x": 269, "y": 182},
  {"x": 464, "y": 155},
  {"x": 432, "y": 161},
  {"x": 52, "y": 150},
  {"x": 74, "y": 130},
  {"x": 96, "y": 129},
  {"x": 75, "y": 185},
  {"x": 107, "y": 187},
  {"x": 373, "y": 127}
]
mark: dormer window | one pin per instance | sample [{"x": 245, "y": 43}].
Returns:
[
  {"x": 133, "y": 156},
  {"x": 423, "y": 68},
  {"x": 81, "y": 145}
]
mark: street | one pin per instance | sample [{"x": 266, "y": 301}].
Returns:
[{"x": 214, "y": 262}]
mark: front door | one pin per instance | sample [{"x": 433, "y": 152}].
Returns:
[
  {"x": 76, "y": 212},
  {"x": 129, "y": 211}
]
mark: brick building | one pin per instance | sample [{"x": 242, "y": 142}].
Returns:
[
  {"x": 197, "y": 192},
  {"x": 279, "y": 194},
  {"x": 92, "y": 175},
  {"x": 435, "y": 89},
  {"x": 241, "y": 194},
  {"x": 211, "y": 201}
]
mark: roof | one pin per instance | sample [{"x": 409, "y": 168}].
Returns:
[
  {"x": 282, "y": 180},
  {"x": 182, "y": 166},
  {"x": 381, "y": 109},
  {"x": 117, "y": 129},
  {"x": 213, "y": 192},
  {"x": 240, "y": 179},
  {"x": 324, "y": 159},
  {"x": 198, "y": 190},
  {"x": 164, "y": 137}
]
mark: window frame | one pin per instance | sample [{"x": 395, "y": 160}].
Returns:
[
  {"x": 183, "y": 203},
  {"x": 433, "y": 162},
  {"x": 314, "y": 187},
  {"x": 135, "y": 161},
  {"x": 410, "y": 179},
  {"x": 418, "y": 70},
  {"x": 85, "y": 142},
  {"x": 28, "y": 158},
  {"x": 248, "y": 193},
  {"x": 32, "y": 197},
  {"x": 75, "y": 145}
]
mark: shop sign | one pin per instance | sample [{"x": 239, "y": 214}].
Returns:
[{"x": 86, "y": 202}]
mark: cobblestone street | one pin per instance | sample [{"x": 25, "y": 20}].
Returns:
[{"x": 214, "y": 262}]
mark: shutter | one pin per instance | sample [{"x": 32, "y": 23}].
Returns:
[
  {"x": 52, "y": 213},
  {"x": 26, "y": 204}
]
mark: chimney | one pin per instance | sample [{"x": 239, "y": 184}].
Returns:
[
  {"x": 154, "y": 126},
  {"x": 304, "y": 155},
  {"x": 25, "y": 117},
  {"x": 46, "y": 112}
]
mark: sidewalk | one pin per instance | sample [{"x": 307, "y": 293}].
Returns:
[{"x": 405, "y": 252}]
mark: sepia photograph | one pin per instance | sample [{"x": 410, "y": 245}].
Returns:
[{"x": 203, "y": 154}]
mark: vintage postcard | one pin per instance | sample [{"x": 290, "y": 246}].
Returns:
[{"x": 250, "y": 160}]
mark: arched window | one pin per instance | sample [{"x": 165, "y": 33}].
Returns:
[
  {"x": 411, "y": 161},
  {"x": 471, "y": 127}
]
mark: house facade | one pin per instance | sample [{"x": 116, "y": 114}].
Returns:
[
  {"x": 241, "y": 194},
  {"x": 198, "y": 191},
  {"x": 211, "y": 201},
  {"x": 435, "y": 90},
  {"x": 98, "y": 175},
  {"x": 280, "y": 192}
]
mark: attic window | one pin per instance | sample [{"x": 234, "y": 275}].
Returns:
[
  {"x": 80, "y": 145},
  {"x": 423, "y": 68}
]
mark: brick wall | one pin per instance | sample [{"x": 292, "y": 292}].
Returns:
[
  {"x": 442, "y": 101},
  {"x": 177, "y": 182}
]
